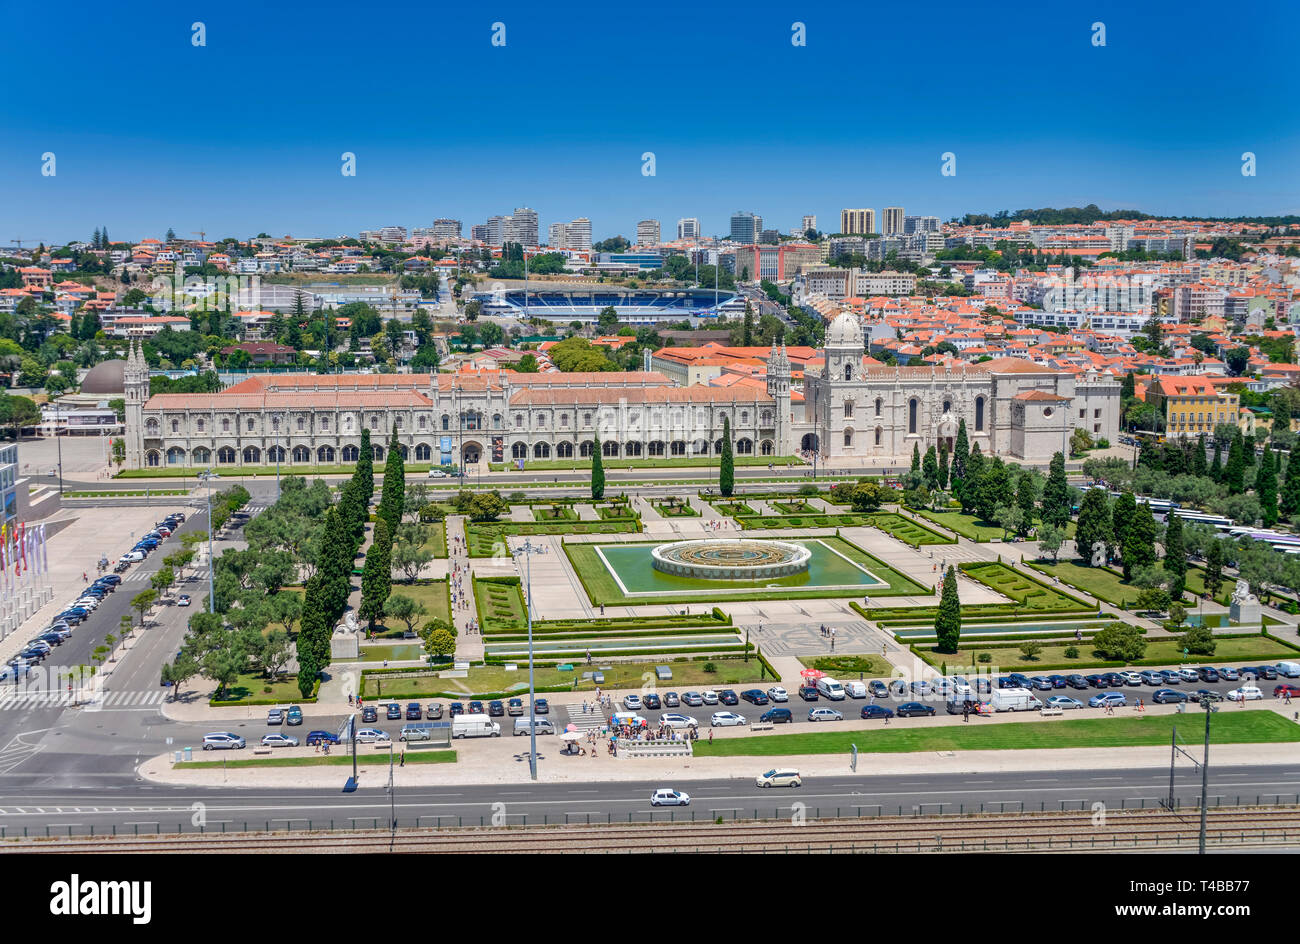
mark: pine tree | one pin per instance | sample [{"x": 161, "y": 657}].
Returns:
[
  {"x": 393, "y": 496},
  {"x": 1216, "y": 467},
  {"x": 1121, "y": 522},
  {"x": 1175, "y": 563},
  {"x": 930, "y": 469},
  {"x": 1214, "y": 567},
  {"x": 727, "y": 464},
  {"x": 1094, "y": 524},
  {"x": 376, "y": 581},
  {"x": 1140, "y": 541},
  {"x": 947, "y": 623},
  {"x": 1198, "y": 457},
  {"x": 1056, "y": 493},
  {"x": 1266, "y": 488},
  {"x": 597, "y": 471},
  {"x": 1289, "y": 504},
  {"x": 1234, "y": 472}
]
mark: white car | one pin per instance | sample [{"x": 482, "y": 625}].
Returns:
[
  {"x": 1246, "y": 693},
  {"x": 131, "y": 557},
  {"x": 679, "y": 721},
  {"x": 632, "y": 702},
  {"x": 778, "y": 694},
  {"x": 726, "y": 719},
  {"x": 710, "y": 696},
  {"x": 1131, "y": 678},
  {"x": 88, "y": 603},
  {"x": 668, "y": 797},
  {"x": 824, "y": 714},
  {"x": 780, "y": 777},
  {"x": 278, "y": 740},
  {"x": 370, "y": 735},
  {"x": 222, "y": 741}
]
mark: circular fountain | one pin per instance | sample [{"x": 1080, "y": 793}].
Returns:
[{"x": 731, "y": 559}]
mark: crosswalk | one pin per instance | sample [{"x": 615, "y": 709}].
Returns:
[
  {"x": 16, "y": 701},
  {"x": 584, "y": 722}
]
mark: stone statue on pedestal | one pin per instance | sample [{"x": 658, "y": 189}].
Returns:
[{"x": 1245, "y": 606}]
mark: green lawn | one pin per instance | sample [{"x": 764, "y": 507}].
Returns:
[
  {"x": 500, "y": 606},
  {"x": 849, "y": 665},
  {"x": 437, "y": 543},
  {"x": 1239, "y": 727},
  {"x": 603, "y": 589},
  {"x": 432, "y": 593},
  {"x": 554, "y": 513},
  {"x": 793, "y": 507},
  {"x": 1029, "y": 593},
  {"x": 488, "y": 540},
  {"x": 968, "y": 526},
  {"x": 733, "y": 508},
  {"x": 250, "y": 686},
  {"x": 1164, "y": 651},
  {"x": 340, "y": 757},
  {"x": 1102, "y": 582},
  {"x": 675, "y": 509}
]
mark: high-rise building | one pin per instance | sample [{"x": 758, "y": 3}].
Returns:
[
  {"x": 809, "y": 222},
  {"x": 857, "y": 222},
  {"x": 572, "y": 235},
  {"x": 920, "y": 224},
  {"x": 557, "y": 236},
  {"x": 893, "y": 221},
  {"x": 745, "y": 227},
  {"x": 446, "y": 229},
  {"x": 647, "y": 233},
  {"x": 521, "y": 227},
  {"x": 688, "y": 227},
  {"x": 479, "y": 232}
]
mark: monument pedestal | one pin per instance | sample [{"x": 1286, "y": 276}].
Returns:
[{"x": 1246, "y": 613}]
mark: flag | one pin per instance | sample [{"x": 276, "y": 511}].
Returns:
[
  {"x": 22, "y": 542},
  {"x": 45, "y": 554}
]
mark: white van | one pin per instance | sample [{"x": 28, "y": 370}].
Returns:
[
  {"x": 827, "y": 687},
  {"x": 544, "y": 726},
  {"x": 1289, "y": 669},
  {"x": 855, "y": 689},
  {"x": 1014, "y": 699},
  {"x": 474, "y": 726}
]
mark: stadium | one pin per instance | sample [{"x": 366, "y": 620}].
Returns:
[{"x": 634, "y": 306}]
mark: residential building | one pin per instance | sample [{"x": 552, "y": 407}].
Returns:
[
  {"x": 647, "y": 233},
  {"x": 745, "y": 227},
  {"x": 857, "y": 222},
  {"x": 920, "y": 224},
  {"x": 809, "y": 223},
  {"x": 688, "y": 227},
  {"x": 446, "y": 229},
  {"x": 1192, "y": 405},
  {"x": 893, "y": 221}
]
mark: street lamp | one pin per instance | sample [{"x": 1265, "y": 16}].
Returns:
[
  {"x": 206, "y": 476},
  {"x": 529, "y": 549}
]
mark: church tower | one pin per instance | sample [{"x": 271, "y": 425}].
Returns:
[
  {"x": 778, "y": 388},
  {"x": 135, "y": 384}
]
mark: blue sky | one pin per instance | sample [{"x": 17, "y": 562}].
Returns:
[{"x": 245, "y": 134}]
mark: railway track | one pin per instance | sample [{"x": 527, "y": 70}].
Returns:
[{"x": 1056, "y": 832}]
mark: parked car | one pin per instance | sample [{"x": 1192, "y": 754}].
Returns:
[
  {"x": 1189, "y": 675},
  {"x": 1114, "y": 679},
  {"x": 726, "y": 719},
  {"x": 728, "y": 697},
  {"x": 692, "y": 699},
  {"x": 1152, "y": 677},
  {"x": 541, "y": 706},
  {"x": 919, "y": 687},
  {"x": 824, "y": 714},
  {"x": 778, "y": 694},
  {"x": 277, "y": 739},
  {"x": 1076, "y": 681},
  {"x": 876, "y": 711},
  {"x": 672, "y": 700},
  {"x": 394, "y": 711},
  {"x": 1171, "y": 677},
  {"x": 293, "y": 715},
  {"x": 515, "y": 707},
  {"x": 454, "y": 709},
  {"x": 433, "y": 710},
  {"x": 878, "y": 688},
  {"x": 275, "y": 716},
  {"x": 710, "y": 696},
  {"x": 369, "y": 715},
  {"x": 1114, "y": 699},
  {"x": 808, "y": 692},
  {"x": 754, "y": 696},
  {"x": 1131, "y": 678},
  {"x": 475, "y": 708},
  {"x": 1163, "y": 696},
  {"x": 776, "y": 716},
  {"x": 651, "y": 701},
  {"x": 495, "y": 710},
  {"x": 321, "y": 737},
  {"x": 1208, "y": 673},
  {"x": 1229, "y": 674},
  {"x": 370, "y": 735},
  {"x": 223, "y": 741},
  {"x": 1064, "y": 702},
  {"x": 1245, "y": 693},
  {"x": 679, "y": 721},
  {"x": 911, "y": 708},
  {"x": 632, "y": 702},
  {"x": 667, "y": 797}
]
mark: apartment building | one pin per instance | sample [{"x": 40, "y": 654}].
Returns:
[
  {"x": 647, "y": 233},
  {"x": 1196, "y": 300},
  {"x": 688, "y": 227},
  {"x": 893, "y": 221},
  {"x": 860, "y": 222},
  {"x": 1192, "y": 405}
]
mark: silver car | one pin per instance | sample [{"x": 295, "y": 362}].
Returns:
[
  {"x": 824, "y": 714},
  {"x": 276, "y": 739}
]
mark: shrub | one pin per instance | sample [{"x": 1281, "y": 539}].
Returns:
[
  {"x": 985, "y": 657},
  {"x": 709, "y": 667},
  {"x": 1072, "y": 652},
  {"x": 1031, "y": 649}
]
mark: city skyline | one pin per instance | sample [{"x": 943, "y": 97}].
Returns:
[{"x": 237, "y": 156}]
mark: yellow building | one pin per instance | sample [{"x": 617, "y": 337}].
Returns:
[{"x": 1192, "y": 405}]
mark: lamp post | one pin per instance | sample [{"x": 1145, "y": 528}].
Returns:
[
  {"x": 276, "y": 420},
  {"x": 206, "y": 476},
  {"x": 1205, "y": 770},
  {"x": 529, "y": 549}
]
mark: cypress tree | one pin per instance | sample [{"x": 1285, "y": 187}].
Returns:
[
  {"x": 312, "y": 626},
  {"x": 1056, "y": 493},
  {"x": 1289, "y": 504},
  {"x": 727, "y": 465},
  {"x": 392, "y": 498},
  {"x": 930, "y": 469},
  {"x": 1216, "y": 467},
  {"x": 1121, "y": 520},
  {"x": 365, "y": 472},
  {"x": 916, "y": 460},
  {"x": 1127, "y": 388},
  {"x": 1234, "y": 472},
  {"x": 943, "y": 466},
  {"x": 968, "y": 491},
  {"x": 597, "y": 471},
  {"x": 1214, "y": 567},
  {"x": 1175, "y": 556},
  {"x": 376, "y": 581},
  {"x": 335, "y": 566},
  {"x": 947, "y": 622},
  {"x": 960, "y": 452},
  {"x": 1140, "y": 541},
  {"x": 1198, "y": 457},
  {"x": 1094, "y": 524},
  {"x": 1027, "y": 498},
  {"x": 1266, "y": 488},
  {"x": 1248, "y": 450}
]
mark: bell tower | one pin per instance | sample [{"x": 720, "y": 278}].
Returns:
[
  {"x": 135, "y": 385},
  {"x": 778, "y": 388}
]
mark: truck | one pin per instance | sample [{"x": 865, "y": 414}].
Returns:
[
  {"x": 473, "y": 726},
  {"x": 827, "y": 687},
  {"x": 1014, "y": 699}
]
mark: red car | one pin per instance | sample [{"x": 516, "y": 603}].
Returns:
[{"x": 1292, "y": 690}]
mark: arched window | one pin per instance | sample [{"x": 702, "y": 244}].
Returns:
[
  {"x": 586, "y": 419},
  {"x": 655, "y": 448},
  {"x": 250, "y": 424},
  {"x": 979, "y": 414},
  {"x": 175, "y": 456},
  {"x": 519, "y": 451},
  {"x": 677, "y": 448},
  {"x": 912, "y": 408},
  {"x": 519, "y": 420},
  {"x": 325, "y": 423},
  {"x": 277, "y": 454},
  {"x": 541, "y": 450},
  {"x": 446, "y": 422},
  {"x": 275, "y": 423},
  {"x": 564, "y": 420},
  {"x": 766, "y": 418},
  {"x": 496, "y": 420},
  {"x": 151, "y": 427},
  {"x": 351, "y": 453},
  {"x": 744, "y": 447},
  {"x": 848, "y": 371},
  {"x": 879, "y": 404},
  {"x": 766, "y": 447},
  {"x": 632, "y": 449},
  {"x": 151, "y": 457},
  {"x": 423, "y": 453},
  {"x": 584, "y": 448},
  {"x": 700, "y": 447},
  {"x": 176, "y": 426},
  {"x": 376, "y": 452},
  {"x": 225, "y": 455},
  {"x": 848, "y": 438},
  {"x": 947, "y": 406},
  {"x": 400, "y": 420},
  {"x": 424, "y": 422},
  {"x": 199, "y": 425},
  {"x": 744, "y": 416},
  {"x": 717, "y": 447},
  {"x": 848, "y": 409},
  {"x": 325, "y": 454},
  {"x": 609, "y": 448},
  {"x": 302, "y": 424},
  {"x": 347, "y": 424},
  {"x": 374, "y": 422},
  {"x": 201, "y": 456},
  {"x": 564, "y": 450},
  {"x": 301, "y": 454},
  {"x": 403, "y": 450},
  {"x": 225, "y": 424},
  {"x": 879, "y": 435},
  {"x": 252, "y": 455}
]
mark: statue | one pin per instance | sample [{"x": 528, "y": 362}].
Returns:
[
  {"x": 1241, "y": 593},
  {"x": 1245, "y": 608},
  {"x": 1099, "y": 554},
  {"x": 346, "y": 642}
]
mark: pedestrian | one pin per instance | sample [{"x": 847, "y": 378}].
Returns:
[
  {"x": 965, "y": 711},
  {"x": 403, "y": 761},
  {"x": 710, "y": 735}
]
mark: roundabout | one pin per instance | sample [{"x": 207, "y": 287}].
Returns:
[{"x": 731, "y": 559}]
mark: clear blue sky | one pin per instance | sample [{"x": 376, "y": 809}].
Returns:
[{"x": 245, "y": 134}]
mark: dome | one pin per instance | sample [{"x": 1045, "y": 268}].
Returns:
[
  {"x": 845, "y": 331},
  {"x": 106, "y": 377}
]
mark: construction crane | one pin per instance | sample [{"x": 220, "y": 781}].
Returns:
[{"x": 202, "y": 234}]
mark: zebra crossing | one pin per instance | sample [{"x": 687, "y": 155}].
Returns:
[
  {"x": 19, "y": 700},
  {"x": 584, "y": 722}
]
